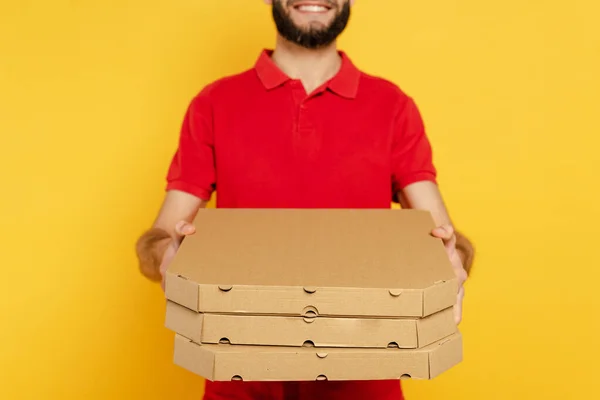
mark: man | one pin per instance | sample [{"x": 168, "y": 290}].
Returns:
[{"x": 303, "y": 128}]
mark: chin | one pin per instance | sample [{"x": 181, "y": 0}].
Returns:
[
  {"x": 306, "y": 20},
  {"x": 312, "y": 24}
]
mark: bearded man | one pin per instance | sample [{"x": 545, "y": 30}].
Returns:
[{"x": 302, "y": 128}]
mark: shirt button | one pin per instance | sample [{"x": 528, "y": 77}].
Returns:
[{"x": 303, "y": 106}]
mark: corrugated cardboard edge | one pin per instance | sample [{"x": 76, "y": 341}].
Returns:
[
  {"x": 448, "y": 355},
  {"x": 319, "y": 301},
  {"x": 229, "y": 299},
  {"x": 194, "y": 358},
  {"x": 295, "y": 301},
  {"x": 182, "y": 291},
  {"x": 435, "y": 327},
  {"x": 439, "y": 296},
  {"x": 184, "y": 321}
]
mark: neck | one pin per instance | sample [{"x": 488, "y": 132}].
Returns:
[{"x": 311, "y": 67}]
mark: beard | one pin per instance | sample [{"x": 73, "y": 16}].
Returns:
[{"x": 311, "y": 37}]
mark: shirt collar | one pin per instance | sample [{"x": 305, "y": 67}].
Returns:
[{"x": 344, "y": 83}]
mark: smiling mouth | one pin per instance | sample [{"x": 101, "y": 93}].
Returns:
[{"x": 312, "y": 7}]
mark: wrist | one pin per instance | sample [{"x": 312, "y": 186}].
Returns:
[
  {"x": 465, "y": 251},
  {"x": 150, "y": 249}
]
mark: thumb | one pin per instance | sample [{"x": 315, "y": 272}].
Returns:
[
  {"x": 458, "y": 307},
  {"x": 184, "y": 228},
  {"x": 444, "y": 232}
]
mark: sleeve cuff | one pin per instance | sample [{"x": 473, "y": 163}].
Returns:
[
  {"x": 404, "y": 181},
  {"x": 192, "y": 189}
]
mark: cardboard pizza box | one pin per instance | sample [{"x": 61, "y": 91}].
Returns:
[
  {"x": 226, "y": 362},
  {"x": 313, "y": 262},
  {"x": 268, "y": 330}
]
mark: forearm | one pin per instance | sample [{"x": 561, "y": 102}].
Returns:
[
  {"x": 426, "y": 196},
  {"x": 150, "y": 249}
]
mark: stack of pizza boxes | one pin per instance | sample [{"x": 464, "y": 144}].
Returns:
[{"x": 305, "y": 294}]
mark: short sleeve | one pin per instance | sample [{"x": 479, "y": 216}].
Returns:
[
  {"x": 192, "y": 167},
  {"x": 412, "y": 158}
]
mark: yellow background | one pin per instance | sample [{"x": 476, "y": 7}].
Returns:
[{"x": 92, "y": 94}]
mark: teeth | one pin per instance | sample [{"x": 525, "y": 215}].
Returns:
[{"x": 312, "y": 8}]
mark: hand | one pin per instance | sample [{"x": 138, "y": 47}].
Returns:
[
  {"x": 183, "y": 228},
  {"x": 446, "y": 233}
]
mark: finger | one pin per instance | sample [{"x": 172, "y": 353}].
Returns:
[
  {"x": 452, "y": 240},
  {"x": 184, "y": 228},
  {"x": 439, "y": 232},
  {"x": 458, "y": 318},
  {"x": 167, "y": 257},
  {"x": 458, "y": 307},
  {"x": 457, "y": 314},
  {"x": 444, "y": 231},
  {"x": 461, "y": 275}
]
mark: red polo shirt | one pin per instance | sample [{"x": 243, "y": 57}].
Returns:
[{"x": 262, "y": 142}]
